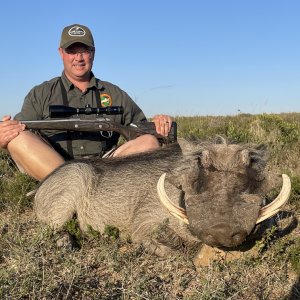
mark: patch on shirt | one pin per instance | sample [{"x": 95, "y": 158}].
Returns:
[{"x": 105, "y": 100}]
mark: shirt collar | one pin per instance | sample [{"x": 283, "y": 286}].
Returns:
[{"x": 93, "y": 82}]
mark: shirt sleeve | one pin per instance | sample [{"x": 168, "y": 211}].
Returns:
[{"x": 31, "y": 109}]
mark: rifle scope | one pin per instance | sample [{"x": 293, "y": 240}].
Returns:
[{"x": 62, "y": 111}]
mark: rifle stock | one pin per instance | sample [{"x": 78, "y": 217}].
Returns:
[{"x": 128, "y": 132}]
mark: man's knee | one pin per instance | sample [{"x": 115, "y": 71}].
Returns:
[
  {"x": 143, "y": 143},
  {"x": 33, "y": 155},
  {"x": 23, "y": 142},
  {"x": 149, "y": 141}
]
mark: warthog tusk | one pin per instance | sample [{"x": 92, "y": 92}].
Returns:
[
  {"x": 273, "y": 208},
  {"x": 174, "y": 209}
]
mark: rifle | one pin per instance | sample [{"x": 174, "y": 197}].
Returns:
[{"x": 63, "y": 119}]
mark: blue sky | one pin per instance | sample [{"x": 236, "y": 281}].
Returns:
[{"x": 192, "y": 57}]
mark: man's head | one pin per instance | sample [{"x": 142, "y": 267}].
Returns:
[
  {"x": 77, "y": 52},
  {"x": 76, "y": 34}
]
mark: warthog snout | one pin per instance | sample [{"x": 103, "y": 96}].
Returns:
[{"x": 223, "y": 235}]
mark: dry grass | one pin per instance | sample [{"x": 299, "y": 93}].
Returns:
[{"x": 38, "y": 263}]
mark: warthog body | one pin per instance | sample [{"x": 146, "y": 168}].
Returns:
[{"x": 219, "y": 186}]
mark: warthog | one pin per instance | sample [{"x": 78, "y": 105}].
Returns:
[{"x": 215, "y": 194}]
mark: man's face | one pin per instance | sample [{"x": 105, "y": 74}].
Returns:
[{"x": 78, "y": 61}]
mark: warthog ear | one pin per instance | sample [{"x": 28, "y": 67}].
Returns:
[
  {"x": 219, "y": 139},
  {"x": 245, "y": 157},
  {"x": 187, "y": 146},
  {"x": 205, "y": 159},
  {"x": 258, "y": 159}
]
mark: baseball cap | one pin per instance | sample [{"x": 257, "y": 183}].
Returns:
[{"x": 76, "y": 34}]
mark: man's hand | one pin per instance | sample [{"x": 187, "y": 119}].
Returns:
[
  {"x": 9, "y": 129},
  {"x": 163, "y": 124}
]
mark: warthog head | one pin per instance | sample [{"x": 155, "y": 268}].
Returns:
[{"x": 223, "y": 191}]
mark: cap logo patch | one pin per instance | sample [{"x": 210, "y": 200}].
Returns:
[
  {"x": 76, "y": 31},
  {"x": 105, "y": 100}
]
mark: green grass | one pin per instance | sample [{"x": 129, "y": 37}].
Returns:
[{"x": 37, "y": 262}]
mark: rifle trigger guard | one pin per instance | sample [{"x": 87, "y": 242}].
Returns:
[{"x": 107, "y": 135}]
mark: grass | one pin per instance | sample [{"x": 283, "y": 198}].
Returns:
[{"x": 37, "y": 262}]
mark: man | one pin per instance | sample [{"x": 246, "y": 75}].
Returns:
[{"x": 39, "y": 154}]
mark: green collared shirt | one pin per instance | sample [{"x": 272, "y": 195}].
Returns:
[{"x": 36, "y": 107}]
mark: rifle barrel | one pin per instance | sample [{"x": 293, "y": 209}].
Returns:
[{"x": 128, "y": 132}]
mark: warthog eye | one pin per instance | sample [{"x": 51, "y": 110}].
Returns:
[{"x": 212, "y": 168}]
